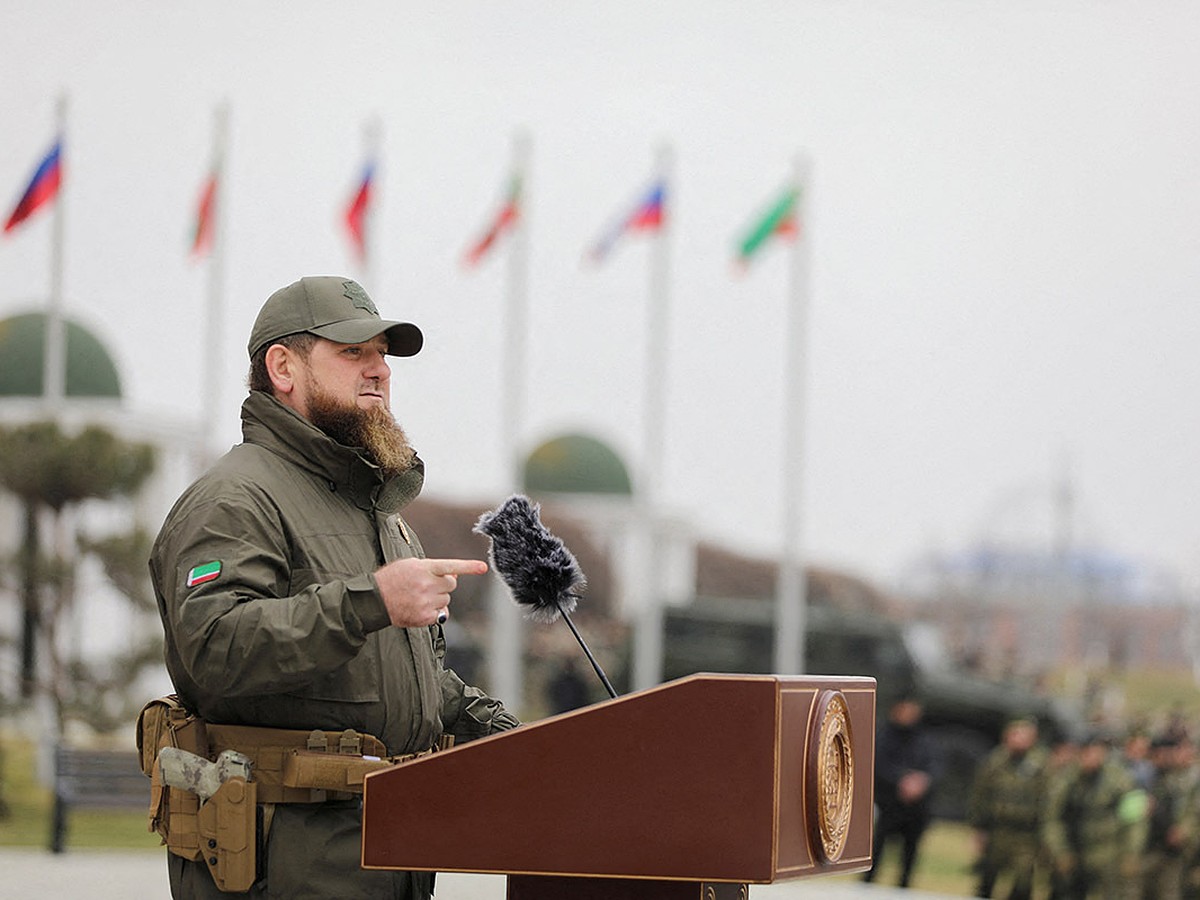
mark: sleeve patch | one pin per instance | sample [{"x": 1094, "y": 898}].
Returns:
[{"x": 203, "y": 573}]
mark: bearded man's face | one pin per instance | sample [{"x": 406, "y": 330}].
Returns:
[{"x": 374, "y": 429}]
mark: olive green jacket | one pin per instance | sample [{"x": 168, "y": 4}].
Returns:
[{"x": 292, "y": 631}]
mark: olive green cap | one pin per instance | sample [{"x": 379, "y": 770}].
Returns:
[{"x": 331, "y": 307}]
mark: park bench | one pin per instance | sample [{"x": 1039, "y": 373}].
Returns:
[{"x": 103, "y": 779}]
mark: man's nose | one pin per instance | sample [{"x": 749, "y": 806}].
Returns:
[{"x": 377, "y": 367}]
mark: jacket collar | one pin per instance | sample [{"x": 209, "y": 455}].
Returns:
[{"x": 269, "y": 424}]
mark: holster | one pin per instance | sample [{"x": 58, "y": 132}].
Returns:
[{"x": 228, "y": 837}]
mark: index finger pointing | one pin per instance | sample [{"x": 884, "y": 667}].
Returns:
[{"x": 457, "y": 566}]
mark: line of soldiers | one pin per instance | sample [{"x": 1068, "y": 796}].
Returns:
[{"x": 1083, "y": 820}]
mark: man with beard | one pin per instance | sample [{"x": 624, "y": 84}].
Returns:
[{"x": 300, "y": 614}]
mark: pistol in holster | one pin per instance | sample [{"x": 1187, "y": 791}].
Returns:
[{"x": 226, "y": 829}]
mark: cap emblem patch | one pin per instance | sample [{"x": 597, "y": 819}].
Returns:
[{"x": 356, "y": 295}]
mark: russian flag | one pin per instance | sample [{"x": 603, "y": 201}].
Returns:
[
  {"x": 42, "y": 187},
  {"x": 356, "y": 212},
  {"x": 646, "y": 215}
]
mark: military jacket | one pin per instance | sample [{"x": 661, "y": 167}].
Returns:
[
  {"x": 1009, "y": 792},
  {"x": 1087, "y": 814},
  {"x": 263, "y": 576},
  {"x": 1172, "y": 806}
]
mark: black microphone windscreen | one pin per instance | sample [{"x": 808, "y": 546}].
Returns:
[{"x": 540, "y": 571}]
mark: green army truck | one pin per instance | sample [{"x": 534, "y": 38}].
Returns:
[{"x": 965, "y": 713}]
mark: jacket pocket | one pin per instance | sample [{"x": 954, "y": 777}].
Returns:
[{"x": 356, "y": 681}]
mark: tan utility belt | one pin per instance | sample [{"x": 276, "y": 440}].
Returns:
[{"x": 285, "y": 765}]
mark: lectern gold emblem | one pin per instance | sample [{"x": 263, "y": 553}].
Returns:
[{"x": 829, "y": 778}]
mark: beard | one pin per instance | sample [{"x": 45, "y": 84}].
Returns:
[{"x": 375, "y": 431}]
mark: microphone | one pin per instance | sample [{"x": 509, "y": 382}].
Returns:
[{"x": 541, "y": 573}]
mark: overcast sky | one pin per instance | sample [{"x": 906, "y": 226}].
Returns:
[{"x": 1004, "y": 216}]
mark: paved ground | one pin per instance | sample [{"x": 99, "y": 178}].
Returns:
[{"x": 117, "y": 875}]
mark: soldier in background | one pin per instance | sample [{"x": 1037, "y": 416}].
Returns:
[
  {"x": 906, "y": 769},
  {"x": 1094, "y": 827},
  {"x": 1060, "y": 766},
  {"x": 1005, "y": 809},
  {"x": 1170, "y": 824},
  {"x": 1189, "y": 779}
]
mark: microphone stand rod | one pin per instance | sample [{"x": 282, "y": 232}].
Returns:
[{"x": 582, "y": 643}]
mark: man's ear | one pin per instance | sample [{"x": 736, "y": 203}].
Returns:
[{"x": 281, "y": 367}]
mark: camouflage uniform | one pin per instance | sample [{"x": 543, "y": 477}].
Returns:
[
  {"x": 1006, "y": 806},
  {"x": 1170, "y": 826},
  {"x": 1094, "y": 830}
]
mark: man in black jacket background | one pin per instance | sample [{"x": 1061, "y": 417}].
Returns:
[{"x": 906, "y": 770}]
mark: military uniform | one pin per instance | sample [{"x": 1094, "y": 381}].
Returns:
[
  {"x": 1093, "y": 831},
  {"x": 263, "y": 578},
  {"x": 1006, "y": 804},
  {"x": 1170, "y": 827}
]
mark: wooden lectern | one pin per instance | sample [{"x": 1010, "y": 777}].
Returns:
[{"x": 693, "y": 789}]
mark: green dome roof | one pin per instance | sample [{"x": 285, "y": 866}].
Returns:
[
  {"x": 576, "y": 464},
  {"x": 90, "y": 370}
]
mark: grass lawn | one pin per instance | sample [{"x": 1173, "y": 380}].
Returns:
[{"x": 30, "y": 804}]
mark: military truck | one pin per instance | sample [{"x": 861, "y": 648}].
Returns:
[{"x": 966, "y": 714}]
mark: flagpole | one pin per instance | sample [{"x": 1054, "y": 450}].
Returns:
[
  {"x": 508, "y": 637},
  {"x": 216, "y": 278},
  {"x": 517, "y": 316},
  {"x": 791, "y": 612},
  {"x": 648, "y": 640},
  {"x": 372, "y": 141},
  {"x": 54, "y": 374}
]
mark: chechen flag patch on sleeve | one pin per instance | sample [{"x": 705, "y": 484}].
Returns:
[{"x": 206, "y": 572}]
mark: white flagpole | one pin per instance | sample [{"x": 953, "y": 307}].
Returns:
[
  {"x": 508, "y": 637},
  {"x": 54, "y": 374},
  {"x": 648, "y": 639},
  {"x": 372, "y": 142},
  {"x": 517, "y": 315},
  {"x": 791, "y": 611},
  {"x": 216, "y": 277}
]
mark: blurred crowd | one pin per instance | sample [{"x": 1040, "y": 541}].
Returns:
[
  {"x": 1098, "y": 817},
  {"x": 1104, "y": 816}
]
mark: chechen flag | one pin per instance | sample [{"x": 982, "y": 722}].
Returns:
[
  {"x": 646, "y": 215},
  {"x": 43, "y": 187},
  {"x": 356, "y": 212},
  {"x": 504, "y": 219},
  {"x": 779, "y": 219}
]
